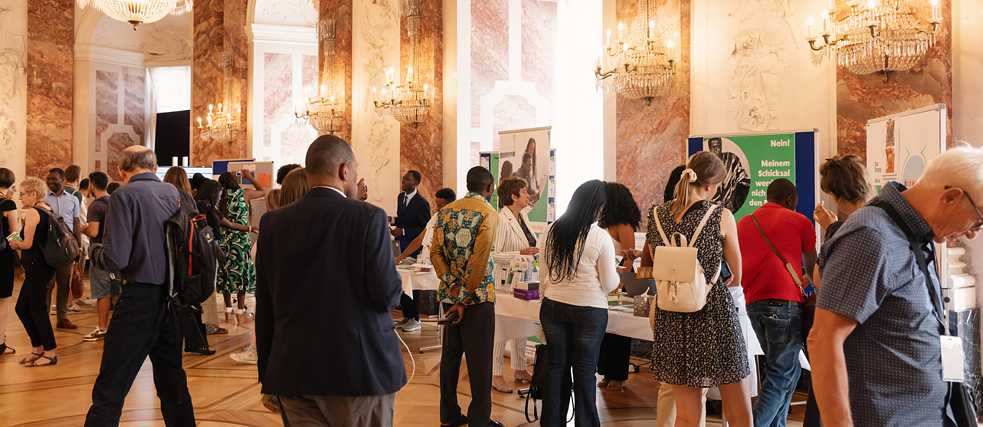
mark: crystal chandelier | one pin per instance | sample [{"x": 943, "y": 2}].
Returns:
[
  {"x": 876, "y": 39},
  {"x": 408, "y": 102},
  {"x": 324, "y": 113},
  {"x": 221, "y": 125},
  {"x": 643, "y": 64},
  {"x": 138, "y": 12}
]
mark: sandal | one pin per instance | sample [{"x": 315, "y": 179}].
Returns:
[
  {"x": 34, "y": 363},
  {"x": 4, "y": 348},
  {"x": 28, "y": 359}
]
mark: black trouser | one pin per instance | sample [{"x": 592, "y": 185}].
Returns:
[
  {"x": 474, "y": 335},
  {"x": 410, "y": 306},
  {"x": 614, "y": 358},
  {"x": 193, "y": 330},
  {"x": 31, "y": 307},
  {"x": 141, "y": 326}
]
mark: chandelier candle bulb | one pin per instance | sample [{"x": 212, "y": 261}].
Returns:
[
  {"x": 935, "y": 9},
  {"x": 608, "y": 43},
  {"x": 825, "y": 19},
  {"x": 809, "y": 23},
  {"x": 620, "y": 27},
  {"x": 425, "y": 88},
  {"x": 651, "y": 28},
  {"x": 669, "y": 45},
  {"x": 209, "y": 108}
]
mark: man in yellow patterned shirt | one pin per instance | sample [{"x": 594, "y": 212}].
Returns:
[{"x": 461, "y": 256}]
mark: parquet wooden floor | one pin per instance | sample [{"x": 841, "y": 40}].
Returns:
[{"x": 226, "y": 393}]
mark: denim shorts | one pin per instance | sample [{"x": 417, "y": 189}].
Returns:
[{"x": 101, "y": 285}]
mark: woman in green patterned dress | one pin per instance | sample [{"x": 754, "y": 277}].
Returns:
[{"x": 237, "y": 275}]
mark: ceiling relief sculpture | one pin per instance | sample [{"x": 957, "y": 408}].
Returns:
[
  {"x": 297, "y": 13},
  {"x": 167, "y": 39},
  {"x": 763, "y": 39}
]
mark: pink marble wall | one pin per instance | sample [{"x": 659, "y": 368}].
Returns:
[
  {"x": 50, "y": 62},
  {"x": 219, "y": 26},
  {"x": 107, "y": 104},
  {"x": 207, "y": 83},
  {"x": 235, "y": 40},
  {"x": 341, "y": 73},
  {"x": 651, "y": 140},
  {"x": 115, "y": 146},
  {"x": 860, "y": 98},
  {"x": 421, "y": 145},
  {"x": 490, "y": 47},
  {"x": 489, "y": 50},
  {"x": 277, "y": 91}
]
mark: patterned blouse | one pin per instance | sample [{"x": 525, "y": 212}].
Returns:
[{"x": 461, "y": 253}]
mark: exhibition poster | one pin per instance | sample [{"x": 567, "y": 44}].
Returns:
[
  {"x": 900, "y": 146},
  {"x": 752, "y": 163},
  {"x": 526, "y": 154}
]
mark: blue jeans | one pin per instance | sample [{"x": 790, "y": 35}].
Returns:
[
  {"x": 778, "y": 326},
  {"x": 573, "y": 340}
]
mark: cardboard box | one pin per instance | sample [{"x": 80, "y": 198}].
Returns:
[{"x": 528, "y": 295}]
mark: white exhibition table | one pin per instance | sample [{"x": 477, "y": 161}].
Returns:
[{"x": 516, "y": 318}]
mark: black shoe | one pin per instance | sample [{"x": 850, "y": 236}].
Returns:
[
  {"x": 205, "y": 352},
  {"x": 460, "y": 422},
  {"x": 493, "y": 423}
]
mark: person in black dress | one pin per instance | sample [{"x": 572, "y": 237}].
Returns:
[
  {"x": 31, "y": 307},
  {"x": 8, "y": 258}
]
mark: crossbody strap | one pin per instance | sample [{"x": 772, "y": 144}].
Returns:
[
  {"x": 703, "y": 222},
  {"x": 798, "y": 282},
  {"x": 658, "y": 226},
  {"x": 919, "y": 257}
]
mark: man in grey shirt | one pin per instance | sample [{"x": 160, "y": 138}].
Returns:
[
  {"x": 141, "y": 324},
  {"x": 875, "y": 346},
  {"x": 63, "y": 204}
]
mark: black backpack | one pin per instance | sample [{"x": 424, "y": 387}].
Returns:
[
  {"x": 537, "y": 385},
  {"x": 60, "y": 247},
  {"x": 192, "y": 264}
]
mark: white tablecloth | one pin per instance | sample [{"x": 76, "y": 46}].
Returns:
[
  {"x": 413, "y": 281},
  {"x": 516, "y": 318}
]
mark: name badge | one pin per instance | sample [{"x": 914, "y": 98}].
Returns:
[{"x": 952, "y": 359}]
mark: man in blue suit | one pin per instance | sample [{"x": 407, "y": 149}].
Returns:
[
  {"x": 412, "y": 216},
  {"x": 326, "y": 265}
]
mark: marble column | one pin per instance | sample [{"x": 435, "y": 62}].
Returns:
[
  {"x": 860, "y": 98},
  {"x": 421, "y": 144},
  {"x": 651, "y": 140},
  {"x": 50, "y": 56},
  {"x": 340, "y": 74},
  {"x": 219, "y": 26},
  {"x": 13, "y": 102}
]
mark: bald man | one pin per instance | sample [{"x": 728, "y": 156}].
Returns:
[{"x": 349, "y": 371}]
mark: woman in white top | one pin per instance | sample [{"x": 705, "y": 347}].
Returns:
[
  {"x": 580, "y": 272},
  {"x": 513, "y": 237}
]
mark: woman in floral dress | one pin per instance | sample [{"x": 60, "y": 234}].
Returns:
[{"x": 237, "y": 275}]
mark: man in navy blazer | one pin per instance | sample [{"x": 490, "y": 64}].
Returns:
[
  {"x": 325, "y": 285},
  {"x": 412, "y": 216}
]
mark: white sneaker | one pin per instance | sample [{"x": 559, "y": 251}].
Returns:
[
  {"x": 402, "y": 322},
  {"x": 74, "y": 309},
  {"x": 246, "y": 356},
  {"x": 54, "y": 310},
  {"x": 94, "y": 335},
  {"x": 412, "y": 325}
]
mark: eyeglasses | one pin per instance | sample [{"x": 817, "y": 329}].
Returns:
[
  {"x": 979, "y": 226},
  {"x": 978, "y": 213}
]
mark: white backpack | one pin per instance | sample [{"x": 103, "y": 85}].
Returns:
[{"x": 680, "y": 280}]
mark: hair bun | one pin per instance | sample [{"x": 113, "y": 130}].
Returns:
[{"x": 692, "y": 174}]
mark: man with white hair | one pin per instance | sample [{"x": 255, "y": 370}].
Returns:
[{"x": 875, "y": 346}]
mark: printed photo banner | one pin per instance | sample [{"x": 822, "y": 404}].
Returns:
[{"x": 754, "y": 161}]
